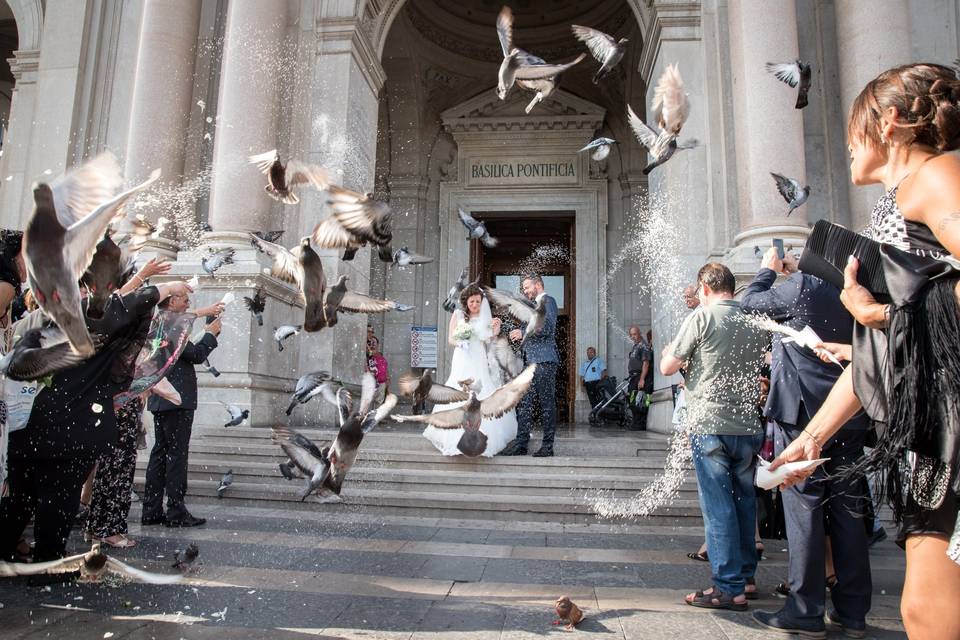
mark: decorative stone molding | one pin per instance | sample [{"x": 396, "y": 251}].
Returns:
[
  {"x": 347, "y": 35},
  {"x": 24, "y": 65},
  {"x": 29, "y": 17},
  {"x": 671, "y": 20},
  {"x": 486, "y": 114}
]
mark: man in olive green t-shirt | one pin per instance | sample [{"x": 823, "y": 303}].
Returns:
[{"x": 723, "y": 355}]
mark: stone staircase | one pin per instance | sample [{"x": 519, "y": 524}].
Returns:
[{"x": 399, "y": 473}]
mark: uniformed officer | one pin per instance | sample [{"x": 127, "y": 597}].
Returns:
[
  {"x": 591, "y": 373},
  {"x": 641, "y": 377}
]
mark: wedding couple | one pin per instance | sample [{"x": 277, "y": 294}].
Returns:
[{"x": 472, "y": 329}]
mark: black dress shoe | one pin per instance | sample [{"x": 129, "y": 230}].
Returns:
[
  {"x": 514, "y": 451},
  {"x": 784, "y": 625},
  {"x": 147, "y": 522},
  {"x": 186, "y": 521},
  {"x": 543, "y": 453}
]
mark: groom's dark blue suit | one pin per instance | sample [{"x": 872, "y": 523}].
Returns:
[{"x": 541, "y": 348}]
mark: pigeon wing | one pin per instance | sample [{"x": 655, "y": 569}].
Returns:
[
  {"x": 442, "y": 394},
  {"x": 82, "y": 189},
  {"x": 10, "y": 569},
  {"x": 330, "y": 234},
  {"x": 509, "y": 395},
  {"x": 449, "y": 419},
  {"x": 601, "y": 45},
  {"x": 505, "y": 30},
  {"x": 670, "y": 101},
  {"x": 299, "y": 173},
  {"x": 408, "y": 383},
  {"x": 416, "y": 258},
  {"x": 785, "y": 186},
  {"x": 359, "y": 303},
  {"x": 518, "y": 307},
  {"x": 468, "y": 220},
  {"x": 376, "y": 417},
  {"x": 541, "y": 71},
  {"x": 368, "y": 388},
  {"x": 33, "y": 364},
  {"x": 286, "y": 262},
  {"x": 644, "y": 134},
  {"x": 140, "y": 575},
  {"x": 264, "y": 160},
  {"x": 788, "y": 72}
]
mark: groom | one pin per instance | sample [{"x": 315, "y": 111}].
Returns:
[{"x": 542, "y": 349}]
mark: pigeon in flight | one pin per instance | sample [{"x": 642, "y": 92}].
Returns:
[
  {"x": 533, "y": 314},
  {"x": 792, "y": 191},
  {"x": 212, "y": 370},
  {"x": 600, "y": 147},
  {"x": 216, "y": 259},
  {"x": 92, "y": 566},
  {"x": 793, "y": 73},
  {"x": 469, "y": 416},
  {"x": 605, "y": 49},
  {"x": 355, "y": 220},
  {"x": 527, "y": 70},
  {"x": 225, "y": 483},
  {"x": 304, "y": 458},
  {"x": 69, "y": 219},
  {"x": 283, "y": 178},
  {"x": 312, "y": 385},
  {"x": 256, "y": 305},
  {"x": 183, "y": 560},
  {"x": 670, "y": 106},
  {"x": 237, "y": 415},
  {"x": 422, "y": 388},
  {"x": 338, "y": 298},
  {"x": 283, "y": 332},
  {"x": 510, "y": 363},
  {"x": 269, "y": 236},
  {"x": 453, "y": 296},
  {"x": 39, "y": 353},
  {"x": 403, "y": 257},
  {"x": 476, "y": 230}
]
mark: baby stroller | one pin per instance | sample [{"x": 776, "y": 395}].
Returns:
[{"x": 614, "y": 406}]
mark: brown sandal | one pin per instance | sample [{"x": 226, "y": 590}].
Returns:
[{"x": 716, "y": 599}]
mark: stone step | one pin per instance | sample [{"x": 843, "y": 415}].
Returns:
[{"x": 479, "y": 504}]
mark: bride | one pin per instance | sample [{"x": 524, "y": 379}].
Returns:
[{"x": 471, "y": 328}]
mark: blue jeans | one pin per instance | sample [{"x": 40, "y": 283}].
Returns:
[{"x": 724, "y": 466}]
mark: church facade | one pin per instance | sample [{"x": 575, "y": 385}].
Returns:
[{"x": 398, "y": 98}]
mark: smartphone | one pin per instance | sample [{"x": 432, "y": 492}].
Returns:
[
  {"x": 211, "y": 319},
  {"x": 778, "y": 243}
]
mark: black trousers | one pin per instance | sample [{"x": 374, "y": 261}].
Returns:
[
  {"x": 593, "y": 392},
  {"x": 110, "y": 505},
  {"x": 542, "y": 390},
  {"x": 167, "y": 469},
  {"x": 639, "y": 413},
  {"x": 809, "y": 507},
  {"x": 49, "y": 491}
]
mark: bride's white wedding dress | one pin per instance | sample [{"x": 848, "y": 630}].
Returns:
[{"x": 471, "y": 361}]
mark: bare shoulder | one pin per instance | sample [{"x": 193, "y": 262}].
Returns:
[{"x": 934, "y": 189}]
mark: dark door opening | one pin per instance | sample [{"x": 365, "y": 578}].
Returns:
[{"x": 543, "y": 244}]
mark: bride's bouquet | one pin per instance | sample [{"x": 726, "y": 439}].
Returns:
[{"x": 463, "y": 332}]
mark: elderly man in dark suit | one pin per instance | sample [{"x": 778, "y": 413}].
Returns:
[
  {"x": 540, "y": 348},
  {"x": 167, "y": 469},
  {"x": 799, "y": 384}
]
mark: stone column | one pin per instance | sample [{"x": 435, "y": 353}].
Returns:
[
  {"x": 15, "y": 204},
  {"x": 769, "y": 130},
  {"x": 872, "y": 36},
  {"x": 162, "y": 91}
]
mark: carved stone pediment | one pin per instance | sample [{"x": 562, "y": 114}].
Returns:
[{"x": 486, "y": 112}]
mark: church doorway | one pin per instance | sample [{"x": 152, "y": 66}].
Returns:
[{"x": 542, "y": 244}]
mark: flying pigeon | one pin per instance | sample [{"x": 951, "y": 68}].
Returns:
[
  {"x": 311, "y": 385},
  {"x": 422, "y": 387},
  {"x": 507, "y": 359},
  {"x": 212, "y": 370},
  {"x": 283, "y": 178},
  {"x": 256, "y": 305},
  {"x": 403, "y": 257},
  {"x": 533, "y": 314},
  {"x": 605, "y": 49},
  {"x": 216, "y": 259},
  {"x": 601, "y": 148},
  {"x": 92, "y": 566},
  {"x": 793, "y": 73},
  {"x": 337, "y": 298},
  {"x": 453, "y": 296},
  {"x": 355, "y": 220},
  {"x": 283, "y": 332},
  {"x": 237, "y": 416},
  {"x": 225, "y": 482},
  {"x": 470, "y": 415},
  {"x": 671, "y": 106},
  {"x": 476, "y": 230},
  {"x": 303, "y": 458},
  {"x": 269, "y": 236},
  {"x": 792, "y": 191},
  {"x": 69, "y": 219},
  {"x": 39, "y": 353}
]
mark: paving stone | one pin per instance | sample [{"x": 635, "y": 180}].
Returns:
[
  {"x": 476, "y": 536},
  {"x": 517, "y": 538},
  {"x": 600, "y": 574},
  {"x": 378, "y": 618},
  {"x": 461, "y": 621},
  {"x": 457, "y": 569},
  {"x": 524, "y": 571},
  {"x": 657, "y": 625}
]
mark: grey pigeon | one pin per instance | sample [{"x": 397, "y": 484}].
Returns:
[
  {"x": 534, "y": 314},
  {"x": 283, "y": 178},
  {"x": 269, "y": 236},
  {"x": 302, "y": 267},
  {"x": 69, "y": 219},
  {"x": 661, "y": 146},
  {"x": 600, "y": 147},
  {"x": 421, "y": 388},
  {"x": 793, "y": 73},
  {"x": 256, "y": 305},
  {"x": 212, "y": 370},
  {"x": 506, "y": 357},
  {"x": 453, "y": 296},
  {"x": 469, "y": 416},
  {"x": 225, "y": 483},
  {"x": 792, "y": 191},
  {"x": 216, "y": 259},
  {"x": 93, "y": 566},
  {"x": 312, "y": 385},
  {"x": 283, "y": 332},
  {"x": 39, "y": 353},
  {"x": 476, "y": 230},
  {"x": 339, "y": 298},
  {"x": 403, "y": 257},
  {"x": 355, "y": 221},
  {"x": 605, "y": 49},
  {"x": 303, "y": 458},
  {"x": 237, "y": 415},
  {"x": 183, "y": 560}
]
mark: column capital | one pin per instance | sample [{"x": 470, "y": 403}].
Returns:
[
  {"x": 347, "y": 35},
  {"x": 24, "y": 65},
  {"x": 671, "y": 20}
]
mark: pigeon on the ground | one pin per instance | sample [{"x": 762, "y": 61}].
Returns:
[
  {"x": 476, "y": 230},
  {"x": 355, "y": 220},
  {"x": 283, "y": 178},
  {"x": 39, "y": 353},
  {"x": 216, "y": 259},
  {"x": 792, "y": 191},
  {"x": 470, "y": 415},
  {"x": 225, "y": 483},
  {"x": 69, "y": 219},
  {"x": 283, "y": 332},
  {"x": 403, "y": 257},
  {"x": 568, "y": 613},
  {"x": 212, "y": 370},
  {"x": 256, "y": 305},
  {"x": 302, "y": 456},
  {"x": 311, "y": 385},
  {"x": 527, "y": 70},
  {"x": 510, "y": 363},
  {"x": 183, "y": 560},
  {"x": 793, "y": 73},
  {"x": 92, "y": 567},
  {"x": 453, "y": 296},
  {"x": 600, "y": 147},
  {"x": 534, "y": 314},
  {"x": 237, "y": 415},
  {"x": 671, "y": 106},
  {"x": 423, "y": 387},
  {"x": 605, "y": 49}
]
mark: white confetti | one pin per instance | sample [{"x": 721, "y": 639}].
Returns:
[
  {"x": 202, "y": 105},
  {"x": 96, "y": 407},
  {"x": 108, "y": 634}
]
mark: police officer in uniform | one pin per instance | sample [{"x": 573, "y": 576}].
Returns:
[
  {"x": 591, "y": 373},
  {"x": 640, "y": 374}
]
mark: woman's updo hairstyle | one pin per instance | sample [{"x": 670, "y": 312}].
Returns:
[
  {"x": 926, "y": 97},
  {"x": 468, "y": 292}
]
